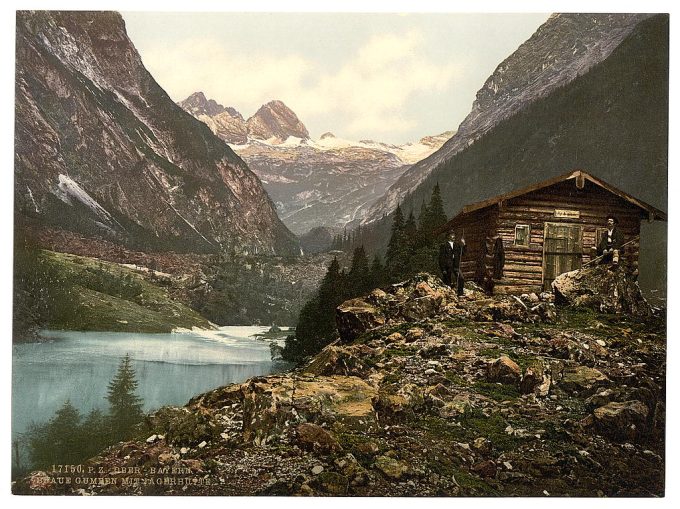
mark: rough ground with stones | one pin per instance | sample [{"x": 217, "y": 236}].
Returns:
[{"x": 423, "y": 394}]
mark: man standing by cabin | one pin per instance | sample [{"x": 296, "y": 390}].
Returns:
[
  {"x": 610, "y": 243},
  {"x": 450, "y": 254}
]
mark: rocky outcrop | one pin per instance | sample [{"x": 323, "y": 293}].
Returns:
[
  {"x": 197, "y": 104},
  {"x": 622, "y": 421},
  {"x": 504, "y": 370},
  {"x": 604, "y": 288},
  {"x": 100, "y": 148},
  {"x": 449, "y": 404}
]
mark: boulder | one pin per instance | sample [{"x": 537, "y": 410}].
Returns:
[
  {"x": 181, "y": 427},
  {"x": 272, "y": 403},
  {"x": 420, "y": 308},
  {"x": 535, "y": 381},
  {"x": 408, "y": 397},
  {"x": 356, "y": 316},
  {"x": 581, "y": 378},
  {"x": 391, "y": 468},
  {"x": 503, "y": 370},
  {"x": 455, "y": 408},
  {"x": 622, "y": 421},
  {"x": 485, "y": 469},
  {"x": 332, "y": 483},
  {"x": 336, "y": 360},
  {"x": 313, "y": 437},
  {"x": 602, "y": 288}
]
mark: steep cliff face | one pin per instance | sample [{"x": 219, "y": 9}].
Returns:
[
  {"x": 101, "y": 149},
  {"x": 563, "y": 48}
]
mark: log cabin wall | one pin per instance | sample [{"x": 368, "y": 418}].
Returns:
[
  {"x": 478, "y": 228},
  {"x": 524, "y": 265}
]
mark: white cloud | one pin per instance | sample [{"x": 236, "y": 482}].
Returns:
[{"x": 364, "y": 96}]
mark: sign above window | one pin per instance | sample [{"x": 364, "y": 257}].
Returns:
[{"x": 571, "y": 214}]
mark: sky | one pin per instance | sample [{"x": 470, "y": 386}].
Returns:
[{"x": 387, "y": 77}]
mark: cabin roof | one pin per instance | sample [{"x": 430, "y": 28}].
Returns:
[{"x": 653, "y": 212}]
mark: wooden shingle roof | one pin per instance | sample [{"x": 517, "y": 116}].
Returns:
[{"x": 580, "y": 177}]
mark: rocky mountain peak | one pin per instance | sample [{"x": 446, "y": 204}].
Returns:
[
  {"x": 327, "y": 135},
  {"x": 197, "y": 104},
  {"x": 276, "y": 120}
]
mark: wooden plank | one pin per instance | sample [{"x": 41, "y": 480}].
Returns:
[
  {"x": 533, "y": 268},
  {"x": 516, "y": 290}
]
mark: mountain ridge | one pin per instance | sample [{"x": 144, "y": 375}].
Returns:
[
  {"x": 564, "y": 47},
  {"x": 100, "y": 148},
  {"x": 329, "y": 182}
]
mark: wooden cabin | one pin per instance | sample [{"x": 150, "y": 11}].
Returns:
[{"x": 521, "y": 241}]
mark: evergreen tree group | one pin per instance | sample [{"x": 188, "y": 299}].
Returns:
[
  {"x": 67, "y": 438},
  {"x": 413, "y": 245},
  {"x": 413, "y": 248},
  {"x": 316, "y": 323}
]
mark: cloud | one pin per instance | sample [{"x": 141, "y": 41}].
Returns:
[{"x": 363, "y": 97}]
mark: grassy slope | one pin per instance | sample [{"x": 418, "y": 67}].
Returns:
[{"x": 99, "y": 295}]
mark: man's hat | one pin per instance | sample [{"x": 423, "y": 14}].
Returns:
[{"x": 611, "y": 216}]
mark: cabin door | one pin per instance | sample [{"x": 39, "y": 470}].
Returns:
[{"x": 562, "y": 250}]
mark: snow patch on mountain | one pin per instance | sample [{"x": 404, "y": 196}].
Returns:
[{"x": 69, "y": 190}]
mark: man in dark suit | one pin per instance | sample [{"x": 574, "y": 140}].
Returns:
[
  {"x": 450, "y": 254},
  {"x": 610, "y": 243}
]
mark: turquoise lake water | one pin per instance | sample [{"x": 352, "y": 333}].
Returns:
[{"x": 170, "y": 368}]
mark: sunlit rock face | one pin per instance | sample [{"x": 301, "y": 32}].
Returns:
[{"x": 101, "y": 149}]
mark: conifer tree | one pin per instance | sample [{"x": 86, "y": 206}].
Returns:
[
  {"x": 96, "y": 433},
  {"x": 423, "y": 223},
  {"x": 125, "y": 405},
  {"x": 436, "y": 215},
  {"x": 359, "y": 274},
  {"x": 57, "y": 441},
  {"x": 316, "y": 322},
  {"x": 394, "y": 258},
  {"x": 377, "y": 274}
]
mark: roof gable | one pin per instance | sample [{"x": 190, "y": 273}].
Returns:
[{"x": 654, "y": 213}]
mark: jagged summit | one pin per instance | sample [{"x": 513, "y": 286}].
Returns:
[
  {"x": 326, "y": 182},
  {"x": 273, "y": 121},
  {"x": 197, "y": 104},
  {"x": 276, "y": 120}
]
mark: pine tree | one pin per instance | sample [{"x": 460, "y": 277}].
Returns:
[
  {"x": 316, "y": 322},
  {"x": 125, "y": 405},
  {"x": 394, "y": 258},
  {"x": 58, "y": 441},
  {"x": 96, "y": 433},
  {"x": 436, "y": 215},
  {"x": 359, "y": 273},
  {"x": 377, "y": 274}
]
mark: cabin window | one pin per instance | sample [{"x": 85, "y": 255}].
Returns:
[{"x": 522, "y": 235}]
